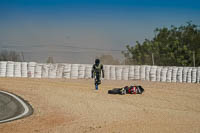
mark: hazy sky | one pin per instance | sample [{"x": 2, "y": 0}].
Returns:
[{"x": 78, "y": 30}]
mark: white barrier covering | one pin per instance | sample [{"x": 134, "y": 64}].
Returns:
[
  {"x": 88, "y": 71},
  {"x": 153, "y": 73},
  {"x": 194, "y": 75},
  {"x": 147, "y": 72},
  {"x": 185, "y": 71},
  {"x": 137, "y": 72},
  {"x": 125, "y": 71},
  {"x": 10, "y": 69},
  {"x": 131, "y": 73},
  {"x": 74, "y": 71},
  {"x": 158, "y": 73},
  {"x": 174, "y": 74},
  {"x": 119, "y": 72},
  {"x": 189, "y": 75},
  {"x": 24, "y": 69},
  {"x": 17, "y": 69},
  {"x": 163, "y": 75},
  {"x": 45, "y": 70},
  {"x": 142, "y": 72},
  {"x": 60, "y": 69},
  {"x": 107, "y": 72},
  {"x": 179, "y": 74},
  {"x": 31, "y": 69},
  {"x": 81, "y": 71},
  {"x": 112, "y": 73},
  {"x": 38, "y": 70},
  {"x": 52, "y": 70},
  {"x": 3, "y": 68},
  {"x": 169, "y": 74},
  {"x": 67, "y": 71},
  {"x": 198, "y": 75}
]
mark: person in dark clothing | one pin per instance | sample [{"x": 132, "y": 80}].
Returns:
[{"x": 97, "y": 70}]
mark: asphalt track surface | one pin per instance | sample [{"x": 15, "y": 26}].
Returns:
[{"x": 13, "y": 107}]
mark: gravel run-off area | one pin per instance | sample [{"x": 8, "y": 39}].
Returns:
[{"x": 74, "y": 106}]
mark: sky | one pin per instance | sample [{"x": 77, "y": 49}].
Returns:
[{"x": 76, "y": 31}]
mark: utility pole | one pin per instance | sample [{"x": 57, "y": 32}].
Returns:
[
  {"x": 152, "y": 59},
  {"x": 194, "y": 58}
]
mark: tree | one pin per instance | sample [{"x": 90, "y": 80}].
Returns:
[
  {"x": 10, "y": 56},
  {"x": 50, "y": 60},
  {"x": 170, "y": 46},
  {"x": 108, "y": 59}
]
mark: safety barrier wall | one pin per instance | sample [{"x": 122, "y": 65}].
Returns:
[{"x": 112, "y": 72}]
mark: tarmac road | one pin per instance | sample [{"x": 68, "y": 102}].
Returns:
[{"x": 12, "y": 107}]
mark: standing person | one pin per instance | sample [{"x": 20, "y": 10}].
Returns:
[{"x": 97, "y": 70}]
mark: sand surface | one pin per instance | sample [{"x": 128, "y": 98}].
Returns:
[{"x": 73, "y": 106}]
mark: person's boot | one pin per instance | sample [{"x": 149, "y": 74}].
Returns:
[{"x": 96, "y": 86}]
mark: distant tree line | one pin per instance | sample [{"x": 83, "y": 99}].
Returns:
[
  {"x": 6, "y": 55},
  {"x": 108, "y": 60},
  {"x": 174, "y": 46}
]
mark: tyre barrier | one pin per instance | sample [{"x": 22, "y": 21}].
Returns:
[{"x": 111, "y": 72}]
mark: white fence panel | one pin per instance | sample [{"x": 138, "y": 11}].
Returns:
[
  {"x": 3, "y": 68},
  {"x": 137, "y": 72},
  {"x": 185, "y": 71},
  {"x": 88, "y": 71},
  {"x": 142, "y": 72},
  {"x": 38, "y": 70},
  {"x": 119, "y": 72},
  {"x": 17, "y": 69},
  {"x": 174, "y": 74},
  {"x": 81, "y": 71},
  {"x": 31, "y": 69},
  {"x": 112, "y": 73},
  {"x": 125, "y": 71},
  {"x": 169, "y": 74},
  {"x": 194, "y": 75},
  {"x": 158, "y": 73},
  {"x": 163, "y": 76},
  {"x": 52, "y": 70},
  {"x": 74, "y": 71},
  {"x": 60, "y": 69},
  {"x": 198, "y": 75},
  {"x": 107, "y": 72},
  {"x": 189, "y": 75},
  {"x": 153, "y": 73},
  {"x": 45, "y": 70},
  {"x": 180, "y": 75},
  {"x": 10, "y": 69},
  {"x": 147, "y": 73},
  {"x": 131, "y": 73},
  {"x": 67, "y": 71},
  {"x": 24, "y": 69}
]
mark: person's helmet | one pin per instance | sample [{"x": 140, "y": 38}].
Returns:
[{"x": 97, "y": 61}]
